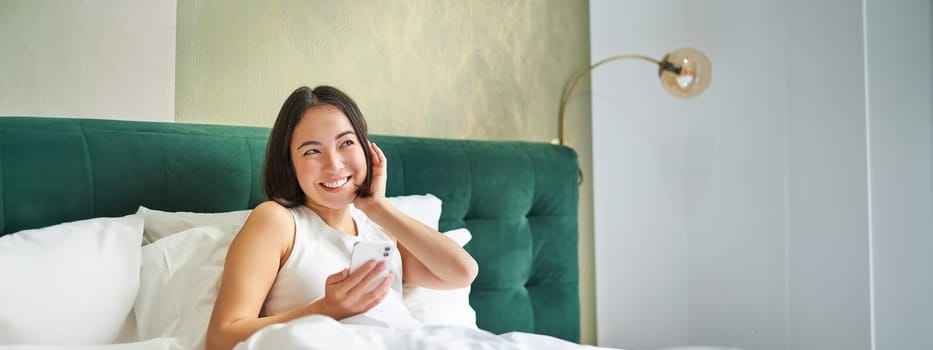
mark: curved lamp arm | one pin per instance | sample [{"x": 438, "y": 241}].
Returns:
[
  {"x": 684, "y": 72},
  {"x": 566, "y": 96}
]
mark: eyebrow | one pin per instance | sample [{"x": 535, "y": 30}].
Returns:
[{"x": 308, "y": 143}]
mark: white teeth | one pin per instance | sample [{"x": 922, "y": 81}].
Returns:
[{"x": 336, "y": 184}]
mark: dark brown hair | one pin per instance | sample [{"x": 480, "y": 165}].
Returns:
[{"x": 279, "y": 180}]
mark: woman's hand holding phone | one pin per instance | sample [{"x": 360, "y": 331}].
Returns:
[
  {"x": 364, "y": 252},
  {"x": 363, "y": 286}
]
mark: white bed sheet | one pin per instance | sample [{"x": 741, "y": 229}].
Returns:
[
  {"x": 151, "y": 344},
  {"x": 320, "y": 332}
]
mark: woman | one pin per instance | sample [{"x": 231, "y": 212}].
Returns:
[{"x": 326, "y": 184}]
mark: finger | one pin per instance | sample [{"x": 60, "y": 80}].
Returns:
[
  {"x": 356, "y": 276},
  {"x": 338, "y": 276},
  {"x": 371, "y": 278},
  {"x": 379, "y": 293},
  {"x": 383, "y": 288},
  {"x": 379, "y": 153},
  {"x": 372, "y": 151}
]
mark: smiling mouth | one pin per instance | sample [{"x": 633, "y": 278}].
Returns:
[{"x": 336, "y": 184}]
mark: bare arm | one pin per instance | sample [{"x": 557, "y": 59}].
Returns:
[
  {"x": 251, "y": 267},
  {"x": 429, "y": 258}
]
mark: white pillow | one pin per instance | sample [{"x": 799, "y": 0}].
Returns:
[
  {"x": 151, "y": 344},
  {"x": 180, "y": 276},
  {"x": 69, "y": 284},
  {"x": 422, "y": 207},
  {"x": 442, "y": 307},
  {"x": 158, "y": 223}
]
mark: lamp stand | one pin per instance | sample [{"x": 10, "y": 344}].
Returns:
[{"x": 573, "y": 84}]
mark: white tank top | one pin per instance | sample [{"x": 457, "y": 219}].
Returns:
[{"x": 319, "y": 251}]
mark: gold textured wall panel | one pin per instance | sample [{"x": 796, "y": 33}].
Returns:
[
  {"x": 458, "y": 69},
  {"x": 477, "y": 69}
]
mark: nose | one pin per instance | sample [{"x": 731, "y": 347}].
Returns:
[{"x": 333, "y": 161}]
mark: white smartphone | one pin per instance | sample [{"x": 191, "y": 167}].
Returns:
[{"x": 365, "y": 251}]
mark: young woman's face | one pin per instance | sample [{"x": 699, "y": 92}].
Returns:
[{"x": 327, "y": 157}]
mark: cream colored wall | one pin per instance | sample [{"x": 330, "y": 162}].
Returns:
[
  {"x": 94, "y": 59},
  {"x": 452, "y": 69}
]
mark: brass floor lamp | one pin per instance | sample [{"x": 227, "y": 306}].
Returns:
[{"x": 684, "y": 72}]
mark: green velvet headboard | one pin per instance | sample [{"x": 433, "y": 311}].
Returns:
[{"x": 518, "y": 199}]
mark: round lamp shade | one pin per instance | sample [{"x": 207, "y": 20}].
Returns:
[{"x": 685, "y": 72}]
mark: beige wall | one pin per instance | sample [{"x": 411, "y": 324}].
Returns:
[
  {"x": 485, "y": 69},
  {"x": 94, "y": 59}
]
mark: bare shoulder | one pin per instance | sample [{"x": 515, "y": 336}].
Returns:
[
  {"x": 270, "y": 210},
  {"x": 269, "y": 219}
]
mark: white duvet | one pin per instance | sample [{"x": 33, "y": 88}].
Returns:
[{"x": 321, "y": 332}]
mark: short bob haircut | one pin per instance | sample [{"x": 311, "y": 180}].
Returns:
[{"x": 279, "y": 180}]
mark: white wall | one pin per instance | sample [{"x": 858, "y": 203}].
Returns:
[
  {"x": 900, "y": 100},
  {"x": 741, "y": 218},
  {"x": 638, "y": 153},
  {"x": 828, "y": 282},
  {"x": 96, "y": 58}
]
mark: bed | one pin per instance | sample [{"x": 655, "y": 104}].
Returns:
[{"x": 517, "y": 200}]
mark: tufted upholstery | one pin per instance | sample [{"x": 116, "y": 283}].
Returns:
[{"x": 519, "y": 199}]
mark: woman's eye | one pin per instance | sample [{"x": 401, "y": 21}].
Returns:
[
  {"x": 346, "y": 143},
  {"x": 311, "y": 151}
]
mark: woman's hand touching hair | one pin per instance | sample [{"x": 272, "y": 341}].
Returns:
[{"x": 380, "y": 172}]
